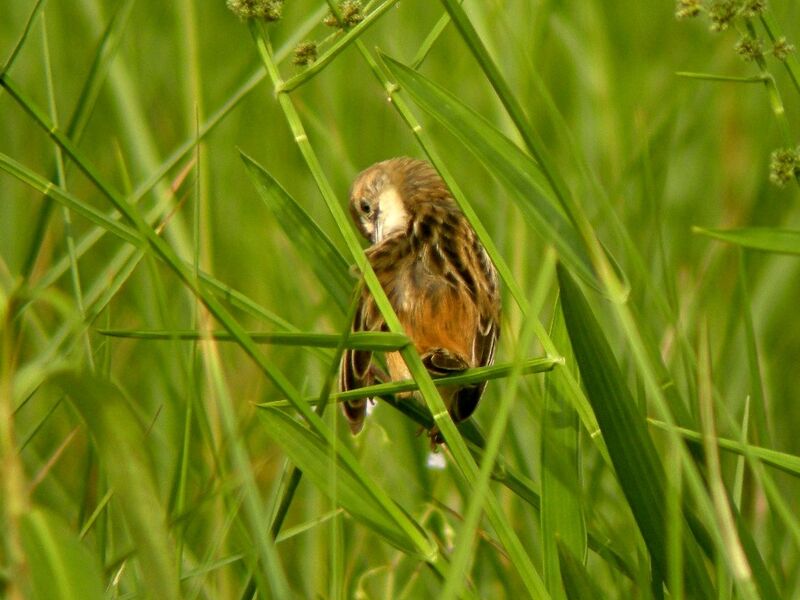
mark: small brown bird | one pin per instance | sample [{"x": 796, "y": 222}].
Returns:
[{"x": 437, "y": 276}]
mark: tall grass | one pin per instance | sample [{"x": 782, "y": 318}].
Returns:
[{"x": 177, "y": 274}]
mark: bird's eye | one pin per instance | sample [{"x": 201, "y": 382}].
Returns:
[{"x": 365, "y": 207}]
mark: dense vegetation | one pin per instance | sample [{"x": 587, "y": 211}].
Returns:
[{"x": 177, "y": 271}]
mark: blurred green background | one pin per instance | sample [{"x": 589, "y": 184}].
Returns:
[{"x": 668, "y": 153}]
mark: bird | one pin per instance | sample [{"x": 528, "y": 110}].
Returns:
[{"x": 437, "y": 276}]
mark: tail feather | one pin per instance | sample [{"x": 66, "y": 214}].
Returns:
[{"x": 355, "y": 411}]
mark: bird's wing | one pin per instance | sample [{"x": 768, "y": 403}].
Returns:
[
  {"x": 355, "y": 370},
  {"x": 466, "y": 399},
  {"x": 486, "y": 341}
]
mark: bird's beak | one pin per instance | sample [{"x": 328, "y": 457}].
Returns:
[{"x": 377, "y": 231}]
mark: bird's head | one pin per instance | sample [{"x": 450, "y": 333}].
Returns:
[{"x": 377, "y": 203}]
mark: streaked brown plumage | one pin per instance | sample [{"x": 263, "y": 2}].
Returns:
[{"x": 436, "y": 274}]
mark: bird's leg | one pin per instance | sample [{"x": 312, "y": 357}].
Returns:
[{"x": 378, "y": 374}]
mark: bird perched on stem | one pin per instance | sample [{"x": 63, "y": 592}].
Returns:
[{"x": 437, "y": 276}]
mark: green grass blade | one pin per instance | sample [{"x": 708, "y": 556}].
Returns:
[
  {"x": 430, "y": 40},
  {"x": 509, "y": 100},
  {"x": 87, "y": 99},
  {"x": 58, "y": 565},
  {"x": 310, "y": 453},
  {"x": 724, "y": 78},
  {"x": 144, "y": 232},
  {"x": 97, "y": 298},
  {"x": 737, "y": 561},
  {"x": 514, "y": 481},
  {"x": 180, "y": 152},
  {"x": 577, "y": 581},
  {"x": 60, "y": 176},
  {"x": 738, "y": 478},
  {"x": 789, "y": 463},
  {"x": 125, "y": 233},
  {"x": 37, "y": 8},
  {"x": 509, "y": 477},
  {"x": 761, "y": 577},
  {"x": 790, "y": 63},
  {"x": 762, "y": 429},
  {"x": 291, "y": 477},
  {"x": 244, "y": 303},
  {"x": 638, "y": 468},
  {"x": 780, "y": 241},
  {"x": 376, "y": 341},
  {"x": 562, "y": 516},
  {"x": 505, "y": 160},
  {"x": 773, "y": 91},
  {"x": 217, "y": 116},
  {"x": 469, "y": 376},
  {"x": 605, "y": 266},
  {"x": 103, "y": 57},
  {"x": 312, "y": 244},
  {"x": 14, "y": 168},
  {"x": 291, "y": 532},
  {"x": 120, "y": 438},
  {"x": 498, "y": 432}
]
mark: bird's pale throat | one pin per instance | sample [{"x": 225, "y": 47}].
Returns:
[{"x": 392, "y": 214}]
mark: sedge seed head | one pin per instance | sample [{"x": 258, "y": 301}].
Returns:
[
  {"x": 782, "y": 49},
  {"x": 686, "y": 9},
  {"x": 305, "y": 53},
  {"x": 351, "y": 13},
  {"x": 266, "y": 10},
  {"x": 749, "y": 48},
  {"x": 784, "y": 166},
  {"x": 753, "y": 8},
  {"x": 722, "y": 13}
]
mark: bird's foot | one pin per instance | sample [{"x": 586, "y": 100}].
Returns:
[{"x": 436, "y": 438}]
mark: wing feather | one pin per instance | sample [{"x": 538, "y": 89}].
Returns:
[
  {"x": 355, "y": 370},
  {"x": 466, "y": 399}
]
